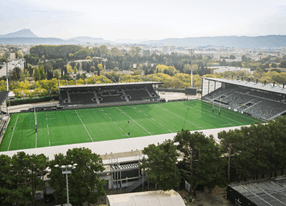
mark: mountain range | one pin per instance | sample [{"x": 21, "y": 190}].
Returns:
[{"x": 26, "y": 36}]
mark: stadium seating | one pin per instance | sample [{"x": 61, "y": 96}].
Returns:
[
  {"x": 136, "y": 94},
  {"x": 82, "y": 98},
  {"x": 110, "y": 99},
  {"x": 258, "y": 104},
  {"x": 107, "y": 95}
]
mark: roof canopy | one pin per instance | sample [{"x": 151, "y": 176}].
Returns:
[
  {"x": 259, "y": 86},
  {"x": 154, "y": 198},
  {"x": 109, "y": 85}
]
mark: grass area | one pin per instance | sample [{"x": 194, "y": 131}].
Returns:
[{"x": 109, "y": 123}]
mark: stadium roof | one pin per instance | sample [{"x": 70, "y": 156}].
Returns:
[
  {"x": 264, "y": 192},
  {"x": 115, "y": 146},
  {"x": 3, "y": 96},
  {"x": 154, "y": 198},
  {"x": 109, "y": 84},
  {"x": 253, "y": 85}
]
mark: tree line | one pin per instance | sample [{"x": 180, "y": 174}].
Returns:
[
  {"x": 23, "y": 174},
  {"x": 252, "y": 152}
]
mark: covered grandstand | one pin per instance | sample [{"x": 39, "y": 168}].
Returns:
[
  {"x": 262, "y": 101},
  {"x": 108, "y": 94}
]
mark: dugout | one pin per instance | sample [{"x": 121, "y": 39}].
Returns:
[{"x": 154, "y": 198}]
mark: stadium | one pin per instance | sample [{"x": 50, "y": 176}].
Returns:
[{"x": 118, "y": 120}]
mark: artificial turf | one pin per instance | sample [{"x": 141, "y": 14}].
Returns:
[{"x": 109, "y": 123}]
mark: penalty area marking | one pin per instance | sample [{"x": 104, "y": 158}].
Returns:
[
  {"x": 13, "y": 133},
  {"x": 84, "y": 126}
]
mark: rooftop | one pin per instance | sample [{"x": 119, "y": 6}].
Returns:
[{"x": 259, "y": 86}]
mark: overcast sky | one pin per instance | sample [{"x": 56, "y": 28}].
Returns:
[{"x": 144, "y": 19}]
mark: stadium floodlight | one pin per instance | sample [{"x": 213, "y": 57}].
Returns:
[
  {"x": 191, "y": 50},
  {"x": 66, "y": 169}
]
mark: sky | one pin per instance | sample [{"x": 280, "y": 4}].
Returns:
[{"x": 144, "y": 19}]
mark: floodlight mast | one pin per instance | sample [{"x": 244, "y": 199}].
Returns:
[
  {"x": 191, "y": 50},
  {"x": 66, "y": 169}
]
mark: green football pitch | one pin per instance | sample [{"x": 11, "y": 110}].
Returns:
[{"x": 109, "y": 123}]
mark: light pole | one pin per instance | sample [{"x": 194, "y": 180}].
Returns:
[
  {"x": 192, "y": 50},
  {"x": 66, "y": 169}
]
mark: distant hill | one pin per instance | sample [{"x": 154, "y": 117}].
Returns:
[
  {"x": 225, "y": 41},
  {"x": 27, "y": 33},
  {"x": 26, "y": 36},
  {"x": 129, "y": 41},
  {"x": 84, "y": 39},
  {"x": 37, "y": 40}
]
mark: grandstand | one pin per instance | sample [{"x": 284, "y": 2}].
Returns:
[
  {"x": 261, "y": 101},
  {"x": 4, "y": 117},
  {"x": 108, "y": 94}
]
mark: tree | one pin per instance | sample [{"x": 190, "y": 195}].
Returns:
[
  {"x": 37, "y": 75},
  {"x": 15, "y": 74},
  {"x": 36, "y": 169},
  {"x": 103, "y": 50},
  {"x": 20, "y": 178},
  {"x": 283, "y": 64},
  {"x": 42, "y": 73},
  {"x": 84, "y": 183},
  {"x": 99, "y": 68},
  {"x": 57, "y": 74},
  {"x": 203, "y": 164},
  {"x": 161, "y": 168},
  {"x": 232, "y": 57}
]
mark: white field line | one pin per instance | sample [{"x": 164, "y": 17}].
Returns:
[
  {"x": 133, "y": 120},
  {"x": 13, "y": 133},
  {"x": 169, "y": 130},
  {"x": 84, "y": 126},
  {"x": 115, "y": 123},
  {"x": 221, "y": 116},
  {"x": 120, "y": 128},
  {"x": 35, "y": 114},
  {"x": 179, "y": 116},
  {"x": 110, "y": 118},
  {"x": 161, "y": 125},
  {"x": 36, "y": 136},
  {"x": 146, "y": 115},
  {"x": 153, "y": 119}
]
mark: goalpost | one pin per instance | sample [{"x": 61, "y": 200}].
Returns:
[
  {"x": 35, "y": 114},
  {"x": 217, "y": 107},
  {"x": 36, "y": 127}
]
